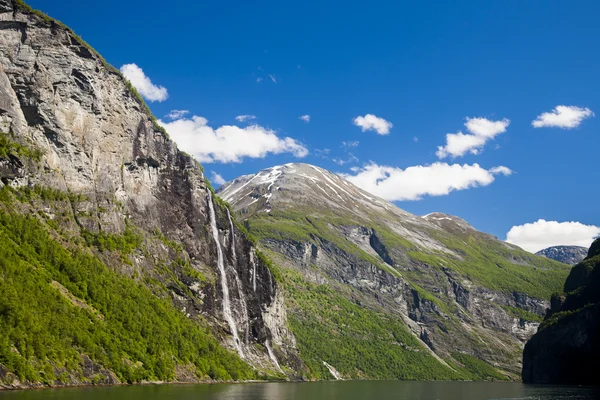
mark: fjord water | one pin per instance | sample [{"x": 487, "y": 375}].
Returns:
[{"x": 347, "y": 390}]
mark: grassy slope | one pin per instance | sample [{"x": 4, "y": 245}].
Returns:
[
  {"x": 482, "y": 261},
  {"x": 115, "y": 320},
  {"x": 363, "y": 343}
]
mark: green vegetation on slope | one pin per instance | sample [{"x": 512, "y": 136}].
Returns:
[
  {"x": 9, "y": 147},
  {"x": 121, "y": 326},
  {"x": 302, "y": 227},
  {"x": 487, "y": 262},
  {"x": 478, "y": 370},
  {"x": 358, "y": 342},
  {"x": 361, "y": 343}
]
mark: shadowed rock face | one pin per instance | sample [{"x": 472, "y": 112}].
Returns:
[
  {"x": 415, "y": 268},
  {"x": 566, "y": 349},
  {"x": 566, "y": 254},
  {"x": 98, "y": 140}
]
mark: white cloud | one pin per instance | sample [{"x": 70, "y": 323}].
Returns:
[
  {"x": 541, "y": 234},
  {"x": 228, "y": 143},
  {"x": 412, "y": 183},
  {"x": 143, "y": 84},
  {"x": 371, "y": 122},
  {"x": 565, "y": 117},
  {"x": 245, "y": 117},
  {"x": 216, "y": 178},
  {"x": 273, "y": 79},
  {"x": 501, "y": 170},
  {"x": 305, "y": 118},
  {"x": 259, "y": 79},
  {"x": 351, "y": 159},
  {"x": 176, "y": 114},
  {"x": 415, "y": 139},
  {"x": 323, "y": 153},
  {"x": 485, "y": 127},
  {"x": 481, "y": 130},
  {"x": 350, "y": 144}
]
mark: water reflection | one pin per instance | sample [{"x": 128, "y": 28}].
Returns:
[{"x": 364, "y": 390}]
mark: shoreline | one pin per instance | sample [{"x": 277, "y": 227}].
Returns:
[{"x": 212, "y": 382}]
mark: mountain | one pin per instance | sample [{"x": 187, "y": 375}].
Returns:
[
  {"x": 566, "y": 254},
  {"x": 566, "y": 348},
  {"x": 364, "y": 281},
  {"x": 117, "y": 262}
]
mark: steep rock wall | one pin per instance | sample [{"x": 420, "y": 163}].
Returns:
[{"x": 99, "y": 141}]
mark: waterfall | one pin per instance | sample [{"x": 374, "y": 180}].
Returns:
[
  {"x": 237, "y": 278},
  {"x": 253, "y": 263},
  {"x": 222, "y": 272},
  {"x": 232, "y": 240},
  {"x": 333, "y": 371},
  {"x": 272, "y": 356}
]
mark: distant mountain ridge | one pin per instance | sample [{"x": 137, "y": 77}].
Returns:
[
  {"x": 566, "y": 254},
  {"x": 464, "y": 299}
]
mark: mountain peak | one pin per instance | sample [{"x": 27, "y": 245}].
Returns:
[
  {"x": 302, "y": 184},
  {"x": 448, "y": 222},
  {"x": 566, "y": 254}
]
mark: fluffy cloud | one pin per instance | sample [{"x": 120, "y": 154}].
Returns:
[
  {"x": 371, "y": 122},
  {"x": 412, "y": 183},
  {"x": 217, "y": 179},
  {"x": 176, "y": 114},
  {"x": 501, "y": 170},
  {"x": 481, "y": 130},
  {"x": 305, "y": 118},
  {"x": 541, "y": 234},
  {"x": 245, "y": 117},
  {"x": 143, "y": 84},
  {"x": 565, "y": 117},
  {"x": 228, "y": 143}
]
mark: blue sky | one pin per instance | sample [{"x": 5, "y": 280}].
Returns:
[{"x": 422, "y": 66}]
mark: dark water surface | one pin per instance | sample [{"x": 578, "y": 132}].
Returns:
[{"x": 349, "y": 390}]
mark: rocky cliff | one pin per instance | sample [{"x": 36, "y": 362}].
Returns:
[
  {"x": 566, "y": 254},
  {"x": 84, "y": 157},
  {"x": 437, "y": 285},
  {"x": 566, "y": 348}
]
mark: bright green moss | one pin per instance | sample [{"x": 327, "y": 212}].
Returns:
[
  {"x": 9, "y": 147},
  {"x": 477, "y": 369}
]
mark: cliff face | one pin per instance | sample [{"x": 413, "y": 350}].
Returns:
[
  {"x": 566, "y": 349},
  {"x": 95, "y": 140}
]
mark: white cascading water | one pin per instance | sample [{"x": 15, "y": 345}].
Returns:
[
  {"x": 333, "y": 371},
  {"x": 253, "y": 270},
  {"x": 224, "y": 286},
  {"x": 232, "y": 243},
  {"x": 244, "y": 309},
  {"x": 272, "y": 356}
]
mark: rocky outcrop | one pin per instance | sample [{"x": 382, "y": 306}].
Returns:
[
  {"x": 99, "y": 141},
  {"x": 566, "y": 254},
  {"x": 566, "y": 348}
]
